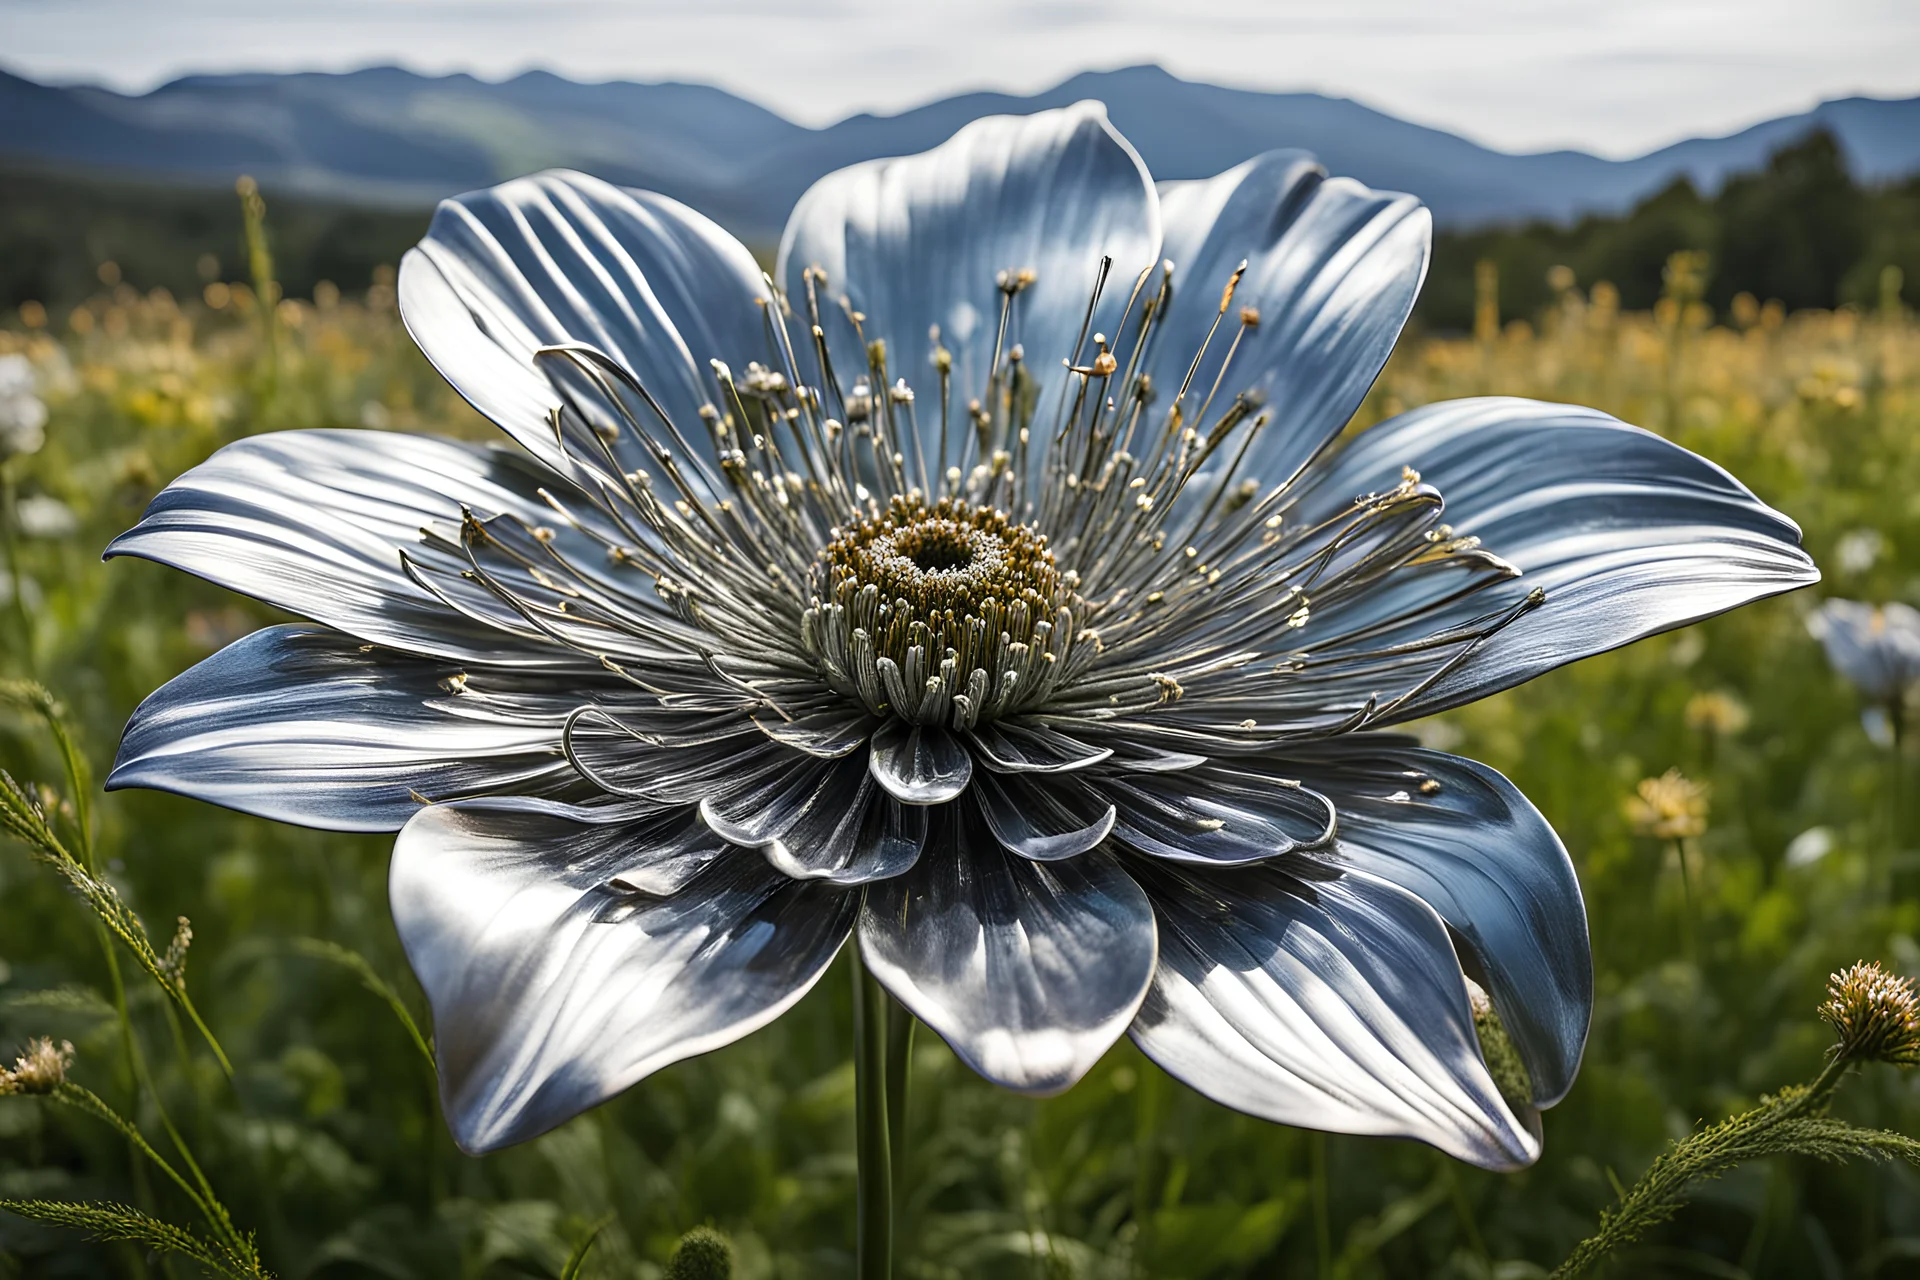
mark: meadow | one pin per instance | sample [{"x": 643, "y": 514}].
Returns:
[{"x": 325, "y": 1140}]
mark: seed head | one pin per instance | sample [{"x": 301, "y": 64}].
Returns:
[
  {"x": 1875, "y": 1015},
  {"x": 1720, "y": 714},
  {"x": 1669, "y": 807},
  {"x": 41, "y": 1069}
]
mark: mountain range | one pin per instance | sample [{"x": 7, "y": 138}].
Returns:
[{"x": 389, "y": 136}]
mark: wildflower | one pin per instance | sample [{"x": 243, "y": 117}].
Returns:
[
  {"x": 1669, "y": 807},
  {"x": 1005, "y": 676},
  {"x": 45, "y": 516},
  {"x": 23, "y": 416},
  {"x": 1876, "y": 647},
  {"x": 1875, "y": 1015},
  {"x": 1720, "y": 714},
  {"x": 41, "y": 1069}
]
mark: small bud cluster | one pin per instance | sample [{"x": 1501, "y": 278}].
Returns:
[
  {"x": 1875, "y": 1015},
  {"x": 1669, "y": 807},
  {"x": 41, "y": 1069}
]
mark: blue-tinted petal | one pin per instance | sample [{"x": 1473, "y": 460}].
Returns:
[
  {"x": 1029, "y": 970},
  {"x": 1462, "y": 838},
  {"x": 1332, "y": 270},
  {"x": 1876, "y": 647},
  {"x": 553, "y": 991},
  {"x": 562, "y": 258},
  {"x": 1625, "y": 533},
  {"x": 1334, "y": 1004},
  {"x": 917, "y": 242},
  {"x": 314, "y": 522},
  {"x": 300, "y": 724}
]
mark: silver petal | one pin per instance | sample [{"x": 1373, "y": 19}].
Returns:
[
  {"x": 829, "y": 733},
  {"x": 302, "y": 725},
  {"x": 1214, "y": 815},
  {"x": 1014, "y": 746},
  {"x": 1332, "y": 268},
  {"x": 818, "y": 820},
  {"x": 1464, "y": 839},
  {"x": 562, "y": 258},
  {"x": 917, "y": 242},
  {"x": 1625, "y": 533},
  {"x": 1334, "y": 1005},
  {"x": 314, "y": 521},
  {"x": 919, "y": 764},
  {"x": 1029, "y": 970},
  {"x": 552, "y": 993},
  {"x": 1037, "y": 820}
]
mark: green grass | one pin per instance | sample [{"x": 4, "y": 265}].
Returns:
[{"x": 327, "y": 1142}]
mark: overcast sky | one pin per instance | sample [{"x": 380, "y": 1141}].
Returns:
[{"x": 1615, "y": 76}]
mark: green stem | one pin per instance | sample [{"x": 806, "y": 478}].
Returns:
[
  {"x": 874, "y": 1232},
  {"x": 1322, "y": 1224},
  {"x": 1686, "y": 893},
  {"x": 1896, "y": 721},
  {"x": 1660, "y": 1189},
  {"x": 15, "y": 578},
  {"x": 900, "y": 1026}
]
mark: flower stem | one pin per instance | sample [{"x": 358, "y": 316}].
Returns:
[
  {"x": 874, "y": 1230},
  {"x": 900, "y": 1026}
]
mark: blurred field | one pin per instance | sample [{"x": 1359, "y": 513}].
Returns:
[{"x": 328, "y": 1142}]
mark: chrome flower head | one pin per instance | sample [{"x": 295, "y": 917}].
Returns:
[
  {"x": 1876, "y": 647},
  {"x": 1012, "y": 609}
]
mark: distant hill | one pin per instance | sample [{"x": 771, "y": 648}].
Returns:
[{"x": 390, "y": 137}]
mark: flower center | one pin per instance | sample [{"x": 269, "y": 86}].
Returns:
[{"x": 941, "y": 612}]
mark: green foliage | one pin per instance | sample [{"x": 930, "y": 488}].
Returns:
[{"x": 1800, "y": 231}]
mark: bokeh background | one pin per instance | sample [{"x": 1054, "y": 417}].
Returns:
[{"x": 1750, "y": 296}]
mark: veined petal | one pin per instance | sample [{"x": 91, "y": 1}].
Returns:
[
  {"x": 917, "y": 242},
  {"x": 1464, "y": 840},
  {"x": 1029, "y": 970},
  {"x": 1332, "y": 271},
  {"x": 552, "y": 992},
  {"x": 314, "y": 522},
  {"x": 561, "y": 258},
  {"x": 1335, "y": 1005},
  {"x": 1014, "y": 746},
  {"x": 1625, "y": 533},
  {"x": 821, "y": 820},
  {"x": 302, "y": 725}
]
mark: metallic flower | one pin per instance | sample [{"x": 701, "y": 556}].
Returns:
[
  {"x": 1876, "y": 647},
  {"x": 980, "y": 584}
]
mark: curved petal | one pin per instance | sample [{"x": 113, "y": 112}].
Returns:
[
  {"x": 916, "y": 243},
  {"x": 314, "y": 522},
  {"x": 1029, "y": 970},
  {"x": 1332, "y": 269},
  {"x": 561, "y": 258},
  {"x": 821, "y": 820},
  {"x": 1011, "y": 746},
  {"x": 1625, "y": 533},
  {"x": 1216, "y": 815},
  {"x": 1463, "y": 839},
  {"x": 552, "y": 992},
  {"x": 1039, "y": 821},
  {"x": 302, "y": 725},
  {"x": 1334, "y": 1005},
  {"x": 919, "y": 764}
]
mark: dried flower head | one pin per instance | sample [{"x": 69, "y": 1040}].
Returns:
[
  {"x": 1875, "y": 1014},
  {"x": 1720, "y": 714},
  {"x": 1669, "y": 807},
  {"x": 41, "y": 1069}
]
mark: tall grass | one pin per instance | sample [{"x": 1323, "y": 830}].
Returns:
[{"x": 325, "y": 1142}]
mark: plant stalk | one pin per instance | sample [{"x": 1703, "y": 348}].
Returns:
[{"x": 874, "y": 1191}]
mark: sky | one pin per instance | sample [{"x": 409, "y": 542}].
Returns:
[{"x": 1617, "y": 77}]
